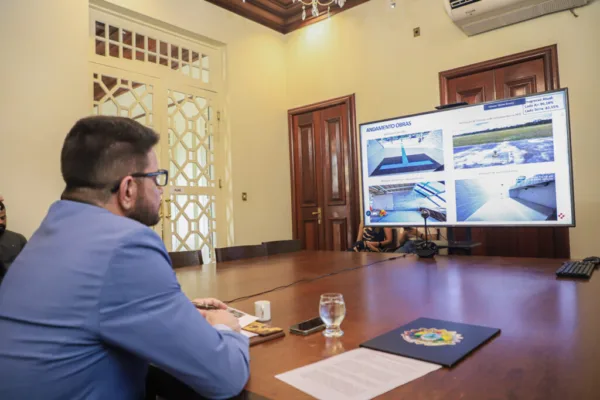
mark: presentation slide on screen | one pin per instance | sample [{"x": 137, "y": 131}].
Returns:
[{"x": 499, "y": 163}]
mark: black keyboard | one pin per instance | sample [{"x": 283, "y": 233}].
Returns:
[{"x": 576, "y": 269}]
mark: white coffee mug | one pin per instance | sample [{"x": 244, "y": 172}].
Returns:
[{"x": 262, "y": 309}]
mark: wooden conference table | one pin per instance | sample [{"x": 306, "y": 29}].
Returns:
[{"x": 549, "y": 347}]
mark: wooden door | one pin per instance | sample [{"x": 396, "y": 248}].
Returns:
[
  {"x": 521, "y": 74},
  {"x": 521, "y": 79},
  {"x": 324, "y": 174},
  {"x": 337, "y": 182},
  {"x": 473, "y": 88},
  {"x": 306, "y": 185}
]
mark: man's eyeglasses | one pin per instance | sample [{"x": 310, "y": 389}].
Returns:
[{"x": 161, "y": 177}]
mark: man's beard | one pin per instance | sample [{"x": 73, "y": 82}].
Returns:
[
  {"x": 2, "y": 229},
  {"x": 143, "y": 213}
]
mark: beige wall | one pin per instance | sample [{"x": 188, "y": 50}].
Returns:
[
  {"x": 370, "y": 50},
  {"x": 44, "y": 90}
]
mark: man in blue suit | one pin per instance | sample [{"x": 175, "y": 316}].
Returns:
[{"x": 92, "y": 299}]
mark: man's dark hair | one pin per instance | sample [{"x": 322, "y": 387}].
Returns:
[
  {"x": 2, "y": 206},
  {"x": 100, "y": 150}
]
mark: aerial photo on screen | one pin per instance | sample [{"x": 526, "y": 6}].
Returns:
[
  {"x": 507, "y": 199},
  {"x": 402, "y": 203},
  {"x": 526, "y": 143},
  {"x": 400, "y": 154}
]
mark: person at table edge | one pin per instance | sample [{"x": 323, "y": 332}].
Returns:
[{"x": 92, "y": 299}]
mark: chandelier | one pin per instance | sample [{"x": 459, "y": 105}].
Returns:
[{"x": 314, "y": 4}]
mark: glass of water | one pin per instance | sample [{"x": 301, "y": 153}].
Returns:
[{"x": 332, "y": 310}]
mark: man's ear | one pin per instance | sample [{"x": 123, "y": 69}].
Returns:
[{"x": 127, "y": 193}]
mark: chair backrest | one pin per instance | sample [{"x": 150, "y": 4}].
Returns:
[
  {"x": 181, "y": 259},
  {"x": 240, "y": 252},
  {"x": 283, "y": 246}
]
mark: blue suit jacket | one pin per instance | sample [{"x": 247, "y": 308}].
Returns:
[{"x": 90, "y": 301}]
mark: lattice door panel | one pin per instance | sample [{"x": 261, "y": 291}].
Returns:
[
  {"x": 192, "y": 171},
  {"x": 193, "y": 224},
  {"x": 123, "y": 97},
  {"x": 191, "y": 141}
]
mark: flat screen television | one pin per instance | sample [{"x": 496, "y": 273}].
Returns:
[{"x": 500, "y": 163}]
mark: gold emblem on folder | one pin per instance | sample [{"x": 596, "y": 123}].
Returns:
[{"x": 432, "y": 337}]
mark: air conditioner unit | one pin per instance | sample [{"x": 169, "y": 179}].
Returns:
[{"x": 477, "y": 16}]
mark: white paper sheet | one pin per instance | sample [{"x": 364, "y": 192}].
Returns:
[
  {"x": 359, "y": 374},
  {"x": 243, "y": 318}
]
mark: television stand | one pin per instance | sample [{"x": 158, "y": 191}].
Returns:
[{"x": 459, "y": 247}]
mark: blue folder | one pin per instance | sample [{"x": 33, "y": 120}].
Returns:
[{"x": 433, "y": 340}]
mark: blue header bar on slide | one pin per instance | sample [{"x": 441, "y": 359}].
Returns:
[{"x": 503, "y": 104}]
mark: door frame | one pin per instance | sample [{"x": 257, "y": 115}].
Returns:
[
  {"x": 350, "y": 102},
  {"x": 548, "y": 53}
]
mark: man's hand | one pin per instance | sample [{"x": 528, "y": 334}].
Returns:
[
  {"x": 222, "y": 317},
  {"x": 218, "y": 304},
  {"x": 1, "y": 198}
]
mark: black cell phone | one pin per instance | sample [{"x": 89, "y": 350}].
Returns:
[{"x": 308, "y": 327}]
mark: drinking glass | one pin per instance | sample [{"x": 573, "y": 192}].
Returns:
[{"x": 332, "y": 310}]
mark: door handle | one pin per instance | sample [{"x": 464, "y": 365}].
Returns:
[
  {"x": 318, "y": 212},
  {"x": 168, "y": 206}
]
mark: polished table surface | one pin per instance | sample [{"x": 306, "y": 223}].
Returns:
[{"x": 549, "y": 347}]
